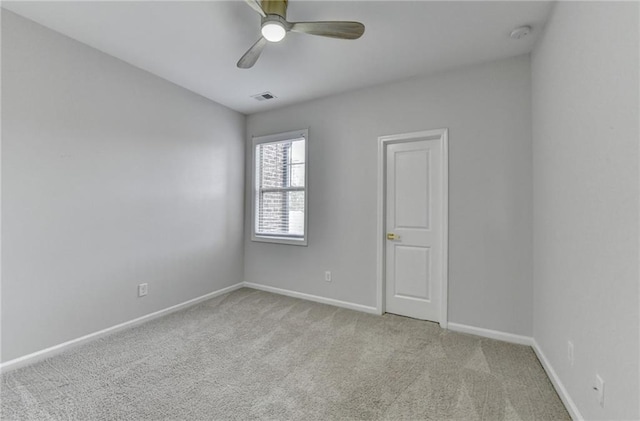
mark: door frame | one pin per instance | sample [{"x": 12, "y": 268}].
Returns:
[{"x": 441, "y": 135}]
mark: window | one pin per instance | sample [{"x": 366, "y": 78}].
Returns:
[{"x": 280, "y": 188}]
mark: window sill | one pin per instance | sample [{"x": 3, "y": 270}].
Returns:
[{"x": 280, "y": 240}]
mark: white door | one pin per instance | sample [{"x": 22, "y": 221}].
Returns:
[{"x": 414, "y": 226}]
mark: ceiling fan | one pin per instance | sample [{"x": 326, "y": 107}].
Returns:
[{"x": 275, "y": 27}]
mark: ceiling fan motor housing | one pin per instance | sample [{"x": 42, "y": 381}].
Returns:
[
  {"x": 275, "y": 7},
  {"x": 276, "y": 19}
]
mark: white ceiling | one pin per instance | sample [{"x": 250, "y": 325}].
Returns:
[{"x": 197, "y": 44}]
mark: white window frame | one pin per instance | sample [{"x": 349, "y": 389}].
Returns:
[{"x": 279, "y": 137}]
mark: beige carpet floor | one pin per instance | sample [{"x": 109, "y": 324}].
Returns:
[{"x": 254, "y": 355}]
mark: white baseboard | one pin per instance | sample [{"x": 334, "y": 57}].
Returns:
[
  {"x": 316, "y": 298},
  {"x": 557, "y": 383},
  {"x": 493, "y": 334},
  {"x": 57, "y": 349}
]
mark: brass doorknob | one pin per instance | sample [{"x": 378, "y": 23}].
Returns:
[{"x": 392, "y": 236}]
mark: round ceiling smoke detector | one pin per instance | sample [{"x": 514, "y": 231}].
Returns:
[{"x": 520, "y": 32}]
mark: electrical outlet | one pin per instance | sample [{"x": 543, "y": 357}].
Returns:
[
  {"x": 327, "y": 276},
  {"x": 143, "y": 289},
  {"x": 570, "y": 352},
  {"x": 599, "y": 389}
]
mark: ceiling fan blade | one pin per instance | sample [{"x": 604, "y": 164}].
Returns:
[
  {"x": 251, "y": 56},
  {"x": 255, "y": 5},
  {"x": 342, "y": 30}
]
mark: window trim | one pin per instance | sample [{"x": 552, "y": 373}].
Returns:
[{"x": 279, "y": 137}]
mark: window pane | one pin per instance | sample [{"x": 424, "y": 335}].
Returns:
[
  {"x": 281, "y": 213},
  {"x": 297, "y": 151},
  {"x": 273, "y": 164},
  {"x": 297, "y": 175},
  {"x": 296, "y": 212}
]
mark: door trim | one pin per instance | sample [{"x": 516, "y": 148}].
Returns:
[{"x": 443, "y": 136}]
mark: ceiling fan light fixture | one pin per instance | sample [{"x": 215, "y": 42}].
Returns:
[{"x": 273, "y": 31}]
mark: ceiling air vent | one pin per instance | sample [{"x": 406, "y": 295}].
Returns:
[{"x": 263, "y": 96}]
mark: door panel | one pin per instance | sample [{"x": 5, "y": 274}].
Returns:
[
  {"x": 411, "y": 270},
  {"x": 411, "y": 199},
  {"x": 413, "y": 208}
]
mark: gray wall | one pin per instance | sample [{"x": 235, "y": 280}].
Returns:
[
  {"x": 585, "y": 149},
  {"x": 110, "y": 177},
  {"x": 487, "y": 109}
]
